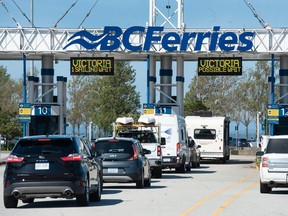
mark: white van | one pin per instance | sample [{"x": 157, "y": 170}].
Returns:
[
  {"x": 212, "y": 133},
  {"x": 175, "y": 151}
]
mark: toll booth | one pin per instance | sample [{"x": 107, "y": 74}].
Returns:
[{"x": 48, "y": 109}]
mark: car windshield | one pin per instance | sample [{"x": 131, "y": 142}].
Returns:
[
  {"x": 106, "y": 146},
  {"x": 277, "y": 146},
  {"x": 44, "y": 146}
]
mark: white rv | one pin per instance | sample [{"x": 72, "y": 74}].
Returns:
[
  {"x": 212, "y": 134},
  {"x": 175, "y": 151}
]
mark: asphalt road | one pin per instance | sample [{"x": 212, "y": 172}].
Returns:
[{"x": 213, "y": 189}]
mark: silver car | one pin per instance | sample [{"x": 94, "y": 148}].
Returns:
[
  {"x": 274, "y": 164},
  {"x": 124, "y": 161}
]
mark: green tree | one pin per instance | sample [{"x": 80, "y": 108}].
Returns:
[
  {"x": 10, "y": 94},
  {"x": 115, "y": 96},
  {"x": 76, "y": 102}
]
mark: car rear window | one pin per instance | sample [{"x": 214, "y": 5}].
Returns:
[
  {"x": 114, "y": 147},
  {"x": 205, "y": 134},
  {"x": 42, "y": 146},
  {"x": 277, "y": 146}
]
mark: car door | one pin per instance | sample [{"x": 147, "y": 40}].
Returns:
[{"x": 146, "y": 163}]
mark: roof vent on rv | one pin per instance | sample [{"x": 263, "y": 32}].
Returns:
[
  {"x": 144, "y": 119},
  {"x": 125, "y": 120}
]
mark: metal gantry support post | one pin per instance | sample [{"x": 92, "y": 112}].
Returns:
[
  {"x": 152, "y": 79},
  {"x": 283, "y": 73},
  {"x": 60, "y": 100},
  {"x": 47, "y": 73},
  {"x": 180, "y": 84},
  {"x": 166, "y": 74}
]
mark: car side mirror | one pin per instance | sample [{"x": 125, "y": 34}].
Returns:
[
  {"x": 163, "y": 141},
  {"x": 191, "y": 142},
  {"x": 259, "y": 154},
  {"x": 199, "y": 146},
  {"x": 146, "y": 151}
]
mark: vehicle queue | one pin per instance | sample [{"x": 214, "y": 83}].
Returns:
[{"x": 116, "y": 159}]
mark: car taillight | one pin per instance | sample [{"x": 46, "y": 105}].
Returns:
[
  {"x": 178, "y": 149},
  {"x": 135, "y": 154},
  {"x": 265, "y": 162},
  {"x": 159, "y": 151},
  {"x": 72, "y": 157},
  {"x": 14, "y": 159}
]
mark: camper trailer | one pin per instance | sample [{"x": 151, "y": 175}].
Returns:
[{"x": 212, "y": 133}]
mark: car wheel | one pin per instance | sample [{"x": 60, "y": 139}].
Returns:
[
  {"x": 96, "y": 196},
  {"x": 83, "y": 199},
  {"x": 140, "y": 182},
  {"x": 157, "y": 172},
  {"x": 194, "y": 164},
  {"x": 147, "y": 182},
  {"x": 181, "y": 169},
  {"x": 10, "y": 202},
  {"x": 264, "y": 188},
  {"x": 28, "y": 200}
]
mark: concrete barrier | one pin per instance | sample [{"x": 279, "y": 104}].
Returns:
[{"x": 244, "y": 150}]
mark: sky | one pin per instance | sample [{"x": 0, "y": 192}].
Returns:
[{"x": 126, "y": 13}]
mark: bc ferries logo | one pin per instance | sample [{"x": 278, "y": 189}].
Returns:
[{"x": 113, "y": 37}]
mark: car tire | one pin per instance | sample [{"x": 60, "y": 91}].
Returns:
[
  {"x": 157, "y": 172},
  {"x": 181, "y": 168},
  {"x": 28, "y": 200},
  {"x": 83, "y": 199},
  {"x": 147, "y": 182},
  {"x": 10, "y": 202},
  {"x": 96, "y": 196},
  {"x": 264, "y": 188},
  {"x": 194, "y": 164},
  {"x": 188, "y": 167},
  {"x": 140, "y": 182}
]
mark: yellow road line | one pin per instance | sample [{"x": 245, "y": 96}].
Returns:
[
  {"x": 217, "y": 193},
  {"x": 218, "y": 211}
]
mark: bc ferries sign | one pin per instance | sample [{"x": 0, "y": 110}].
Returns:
[{"x": 113, "y": 37}]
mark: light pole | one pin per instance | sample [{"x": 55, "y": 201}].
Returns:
[
  {"x": 90, "y": 131},
  {"x": 257, "y": 127}
]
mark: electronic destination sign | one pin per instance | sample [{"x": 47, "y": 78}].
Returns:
[
  {"x": 92, "y": 66},
  {"x": 220, "y": 66}
]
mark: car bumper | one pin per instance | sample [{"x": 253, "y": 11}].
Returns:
[
  {"x": 55, "y": 189},
  {"x": 155, "y": 162},
  {"x": 273, "y": 179},
  {"x": 172, "y": 162}
]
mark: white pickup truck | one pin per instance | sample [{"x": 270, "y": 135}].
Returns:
[{"x": 144, "y": 132}]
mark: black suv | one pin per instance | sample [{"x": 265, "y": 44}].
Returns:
[
  {"x": 124, "y": 160},
  {"x": 56, "y": 166}
]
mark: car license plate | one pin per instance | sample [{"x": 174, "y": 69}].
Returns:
[
  {"x": 112, "y": 170},
  {"x": 166, "y": 159},
  {"x": 41, "y": 166}
]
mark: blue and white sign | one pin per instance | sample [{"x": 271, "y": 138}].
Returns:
[
  {"x": 283, "y": 112},
  {"x": 47, "y": 110},
  {"x": 113, "y": 37},
  {"x": 163, "y": 110}
]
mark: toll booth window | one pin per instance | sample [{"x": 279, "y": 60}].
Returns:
[
  {"x": 42, "y": 125},
  {"x": 204, "y": 134}
]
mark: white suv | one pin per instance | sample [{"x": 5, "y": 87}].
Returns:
[{"x": 274, "y": 164}]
